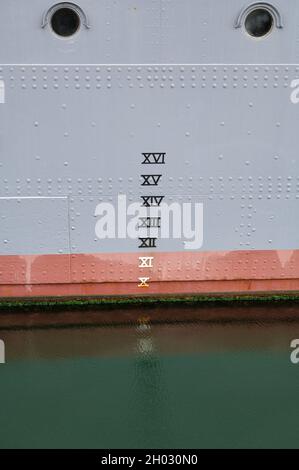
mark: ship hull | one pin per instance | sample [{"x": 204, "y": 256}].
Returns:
[
  {"x": 177, "y": 274},
  {"x": 152, "y": 152}
]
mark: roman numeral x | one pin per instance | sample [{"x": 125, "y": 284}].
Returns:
[{"x": 144, "y": 282}]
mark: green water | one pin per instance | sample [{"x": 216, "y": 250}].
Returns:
[{"x": 172, "y": 386}]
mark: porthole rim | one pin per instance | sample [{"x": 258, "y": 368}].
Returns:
[
  {"x": 48, "y": 15},
  {"x": 60, "y": 36},
  {"x": 249, "y": 12}
]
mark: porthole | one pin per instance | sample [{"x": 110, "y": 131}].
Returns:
[
  {"x": 65, "y": 19},
  {"x": 259, "y": 22},
  {"x": 65, "y": 22}
]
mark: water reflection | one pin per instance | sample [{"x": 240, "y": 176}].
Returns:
[
  {"x": 191, "y": 385},
  {"x": 149, "y": 396}
]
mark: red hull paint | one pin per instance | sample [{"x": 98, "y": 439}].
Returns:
[
  {"x": 80, "y": 275},
  {"x": 156, "y": 289}
]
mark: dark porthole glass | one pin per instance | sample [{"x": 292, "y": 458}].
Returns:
[
  {"x": 65, "y": 22},
  {"x": 259, "y": 23}
]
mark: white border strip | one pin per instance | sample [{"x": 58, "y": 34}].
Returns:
[
  {"x": 2, "y": 92},
  {"x": 2, "y": 352},
  {"x": 150, "y": 65}
]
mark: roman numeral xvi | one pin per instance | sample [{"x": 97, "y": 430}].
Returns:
[{"x": 154, "y": 158}]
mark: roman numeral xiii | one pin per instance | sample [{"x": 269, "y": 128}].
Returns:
[{"x": 150, "y": 222}]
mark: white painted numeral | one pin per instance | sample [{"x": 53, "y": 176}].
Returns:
[
  {"x": 144, "y": 282},
  {"x": 146, "y": 262}
]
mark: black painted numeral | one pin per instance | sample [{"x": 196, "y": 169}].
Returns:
[
  {"x": 148, "y": 242},
  {"x": 154, "y": 158},
  {"x": 151, "y": 180}
]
